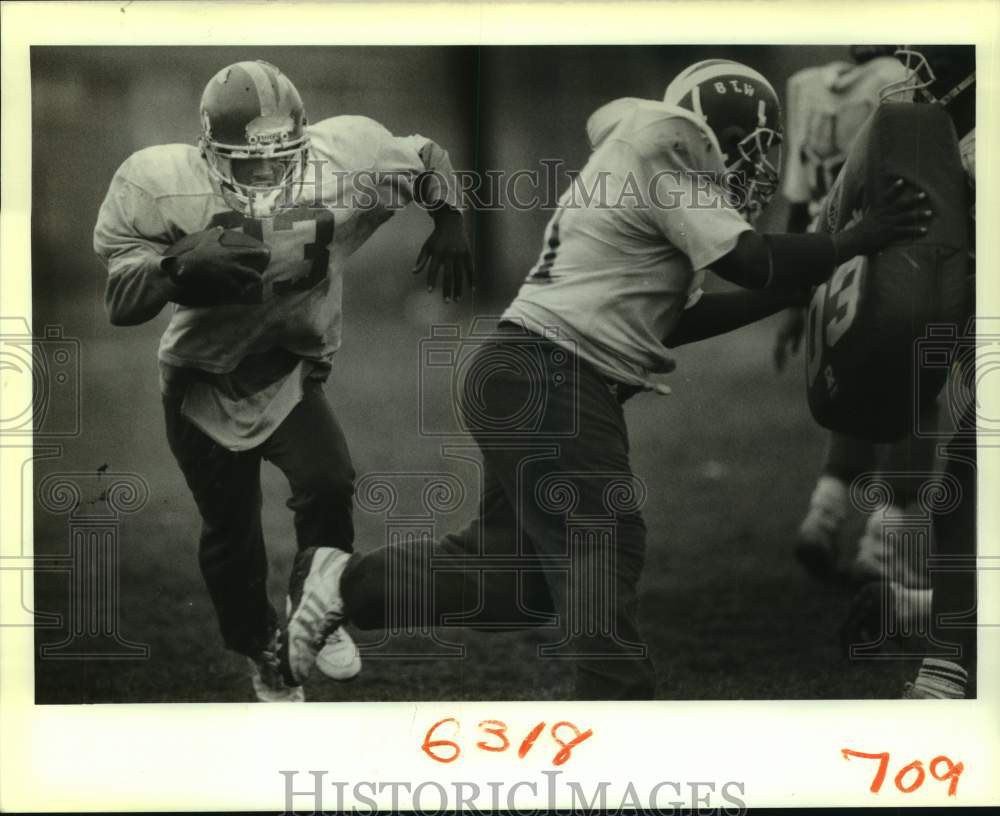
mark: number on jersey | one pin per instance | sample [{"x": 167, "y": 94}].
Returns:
[
  {"x": 543, "y": 270},
  {"x": 298, "y": 219}
]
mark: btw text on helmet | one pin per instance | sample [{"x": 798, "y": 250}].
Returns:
[
  {"x": 253, "y": 136},
  {"x": 742, "y": 109}
]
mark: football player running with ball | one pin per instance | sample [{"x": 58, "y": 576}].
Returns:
[
  {"x": 246, "y": 236},
  {"x": 617, "y": 283}
]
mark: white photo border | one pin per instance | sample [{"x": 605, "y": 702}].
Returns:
[{"x": 228, "y": 757}]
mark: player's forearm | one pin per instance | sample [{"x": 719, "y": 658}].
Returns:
[
  {"x": 437, "y": 184},
  {"x": 784, "y": 260},
  {"x": 723, "y": 312},
  {"x": 138, "y": 293}
]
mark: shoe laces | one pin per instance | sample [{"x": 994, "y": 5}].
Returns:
[
  {"x": 268, "y": 669},
  {"x": 326, "y": 627}
]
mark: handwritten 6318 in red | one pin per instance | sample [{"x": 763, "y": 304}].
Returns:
[
  {"x": 495, "y": 740},
  {"x": 911, "y": 776}
]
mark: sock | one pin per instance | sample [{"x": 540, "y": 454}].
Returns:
[
  {"x": 912, "y": 608},
  {"x": 942, "y": 679},
  {"x": 870, "y": 545},
  {"x": 830, "y": 495}
]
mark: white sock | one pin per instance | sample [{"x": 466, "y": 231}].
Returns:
[
  {"x": 830, "y": 493},
  {"x": 871, "y": 541},
  {"x": 912, "y": 607},
  {"x": 942, "y": 679}
]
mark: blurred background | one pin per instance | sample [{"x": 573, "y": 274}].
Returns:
[{"x": 728, "y": 459}]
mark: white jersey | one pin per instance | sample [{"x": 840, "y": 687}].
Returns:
[
  {"x": 165, "y": 192},
  {"x": 825, "y": 108},
  {"x": 251, "y": 358},
  {"x": 627, "y": 248}
]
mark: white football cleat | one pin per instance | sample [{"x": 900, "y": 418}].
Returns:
[
  {"x": 268, "y": 683},
  {"x": 317, "y": 609},
  {"x": 339, "y": 659}
]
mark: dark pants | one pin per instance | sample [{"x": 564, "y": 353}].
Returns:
[
  {"x": 310, "y": 449},
  {"x": 559, "y": 519}
]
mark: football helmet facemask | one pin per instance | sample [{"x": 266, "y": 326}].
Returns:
[
  {"x": 251, "y": 113},
  {"x": 934, "y": 73},
  {"x": 741, "y": 108}
]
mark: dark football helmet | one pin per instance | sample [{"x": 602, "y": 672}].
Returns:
[
  {"x": 253, "y": 136},
  {"x": 742, "y": 110}
]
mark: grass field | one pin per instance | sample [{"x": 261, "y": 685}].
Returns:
[{"x": 729, "y": 460}]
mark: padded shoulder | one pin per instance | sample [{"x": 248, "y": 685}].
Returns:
[{"x": 167, "y": 170}]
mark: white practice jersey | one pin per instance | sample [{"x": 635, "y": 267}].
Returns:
[
  {"x": 627, "y": 249},
  {"x": 825, "y": 108},
  {"x": 358, "y": 175}
]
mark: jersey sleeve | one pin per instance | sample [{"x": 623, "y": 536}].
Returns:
[
  {"x": 396, "y": 164},
  {"x": 680, "y": 168},
  {"x": 427, "y": 165},
  {"x": 129, "y": 238}
]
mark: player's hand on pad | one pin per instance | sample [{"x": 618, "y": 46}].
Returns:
[
  {"x": 903, "y": 212},
  {"x": 446, "y": 254},
  {"x": 217, "y": 267}
]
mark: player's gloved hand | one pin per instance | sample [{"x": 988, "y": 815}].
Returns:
[
  {"x": 446, "y": 252},
  {"x": 216, "y": 267},
  {"x": 788, "y": 337},
  {"x": 902, "y": 213}
]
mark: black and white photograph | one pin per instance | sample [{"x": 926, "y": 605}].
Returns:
[
  {"x": 509, "y": 373},
  {"x": 391, "y": 361}
]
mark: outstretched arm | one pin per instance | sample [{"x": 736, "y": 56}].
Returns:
[
  {"x": 786, "y": 260},
  {"x": 723, "y": 312},
  {"x": 778, "y": 268},
  {"x": 446, "y": 251}
]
